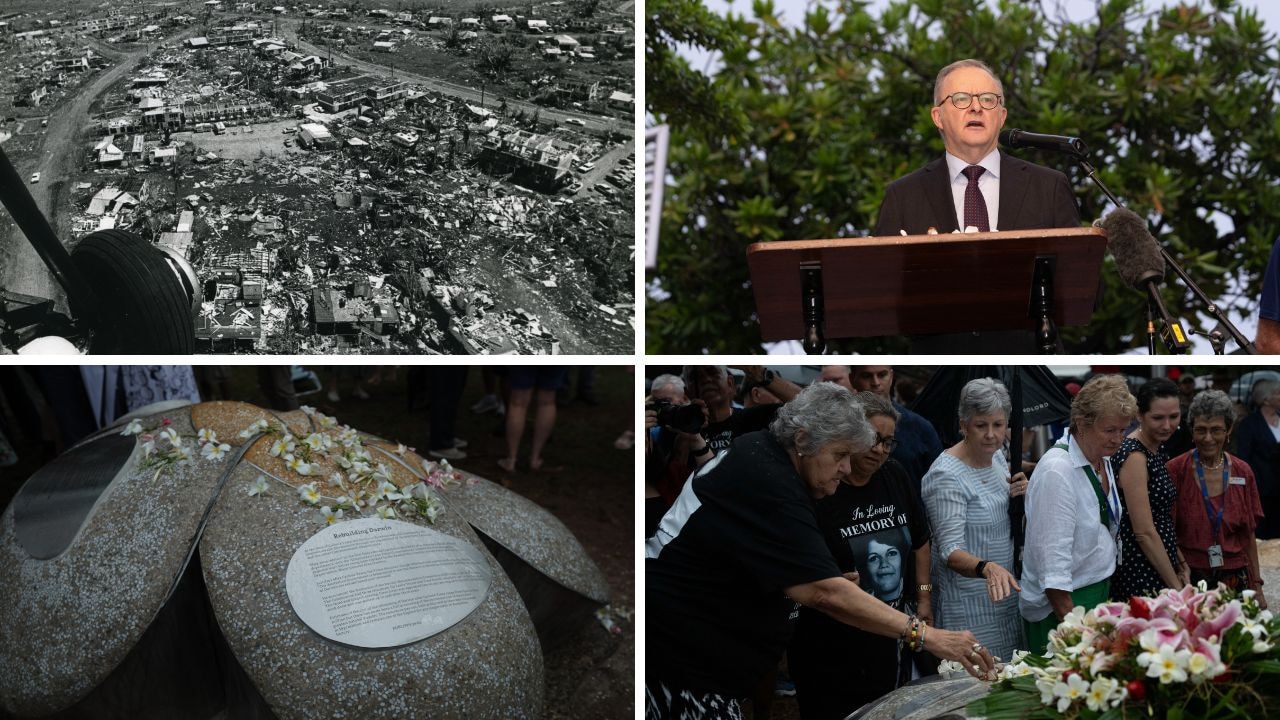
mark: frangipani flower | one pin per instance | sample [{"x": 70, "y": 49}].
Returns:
[
  {"x": 401, "y": 449},
  {"x": 1168, "y": 664},
  {"x": 309, "y": 494},
  {"x": 282, "y": 446},
  {"x": 205, "y": 435},
  {"x": 133, "y": 428},
  {"x": 171, "y": 436},
  {"x": 254, "y": 428},
  {"x": 258, "y": 487},
  {"x": 298, "y": 465},
  {"x": 315, "y": 441},
  {"x": 214, "y": 450},
  {"x": 1104, "y": 693},
  {"x": 386, "y": 512},
  {"x": 330, "y": 516},
  {"x": 1068, "y": 692},
  {"x": 338, "y": 481},
  {"x": 389, "y": 491}
]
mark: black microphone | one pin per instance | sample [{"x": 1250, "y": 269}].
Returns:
[
  {"x": 1059, "y": 143},
  {"x": 1141, "y": 265}
]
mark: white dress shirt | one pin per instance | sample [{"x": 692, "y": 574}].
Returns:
[
  {"x": 988, "y": 183},
  {"x": 1067, "y": 547}
]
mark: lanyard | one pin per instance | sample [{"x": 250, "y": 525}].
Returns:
[
  {"x": 1215, "y": 517},
  {"x": 1105, "y": 510}
]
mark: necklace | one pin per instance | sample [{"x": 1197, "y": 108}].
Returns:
[{"x": 1218, "y": 466}]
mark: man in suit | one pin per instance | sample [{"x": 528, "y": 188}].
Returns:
[{"x": 974, "y": 185}]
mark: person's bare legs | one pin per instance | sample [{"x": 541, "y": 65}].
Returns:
[
  {"x": 544, "y": 420},
  {"x": 517, "y": 408}
]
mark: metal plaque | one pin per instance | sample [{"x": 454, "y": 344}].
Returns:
[
  {"x": 55, "y": 502},
  {"x": 383, "y": 583}
]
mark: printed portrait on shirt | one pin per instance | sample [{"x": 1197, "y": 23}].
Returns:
[{"x": 881, "y": 560}]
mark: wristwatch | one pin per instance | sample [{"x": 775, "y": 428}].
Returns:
[
  {"x": 704, "y": 450},
  {"x": 977, "y": 569}
]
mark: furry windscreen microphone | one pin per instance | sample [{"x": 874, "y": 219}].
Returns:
[{"x": 1137, "y": 255}]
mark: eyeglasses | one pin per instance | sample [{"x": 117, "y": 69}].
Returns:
[
  {"x": 1204, "y": 431},
  {"x": 889, "y": 443},
  {"x": 962, "y": 100}
]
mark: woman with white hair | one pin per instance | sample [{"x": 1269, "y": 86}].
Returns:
[
  {"x": 1258, "y": 443},
  {"x": 742, "y": 546},
  {"x": 966, "y": 493}
]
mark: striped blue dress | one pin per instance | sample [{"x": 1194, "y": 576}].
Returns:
[{"x": 969, "y": 510}]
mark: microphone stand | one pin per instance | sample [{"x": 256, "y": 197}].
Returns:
[{"x": 1246, "y": 345}]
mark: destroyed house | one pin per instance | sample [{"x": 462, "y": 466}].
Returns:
[
  {"x": 435, "y": 21},
  {"x": 533, "y": 159},
  {"x": 74, "y": 64},
  {"x": 340, "y": 311},
  {"x": 163, "y": 118},
  {"x": 234, "y": 35}
]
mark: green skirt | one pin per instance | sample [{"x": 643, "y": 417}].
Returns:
[{"x": 1088, "y": 597}]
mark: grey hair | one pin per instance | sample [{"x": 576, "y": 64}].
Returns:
[
  {"x": 1211, "y": 404},
  {"x": 983, "y": 396},
  {"x": 1263, "y": 390},
  {"x": 826, "y": 413},
  {"x": 969, "y": 62},
  {"x": 666, "y": 380},
  {"x": 873, "y": 405},
  {"x": 688, "y": 372}
]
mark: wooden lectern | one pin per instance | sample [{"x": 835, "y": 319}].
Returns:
[{"x": 926, "y": 284}]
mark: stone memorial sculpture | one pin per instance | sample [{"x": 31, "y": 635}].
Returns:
[{"x": 143, "y": 574}]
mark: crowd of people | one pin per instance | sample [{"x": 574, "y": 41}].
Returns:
[{"x": 811, "y": 520}]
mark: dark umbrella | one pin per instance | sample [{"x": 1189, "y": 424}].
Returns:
[{"x": 1037, "y": 399}]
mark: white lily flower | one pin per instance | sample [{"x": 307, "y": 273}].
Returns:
[
  {"x": 214, "y": 450},
  {"x": 309, "y": 494},
  {"x": 329, "y": 515},
  {"x": 133, "y": 428},
  {"x": 258, "y": 487}
]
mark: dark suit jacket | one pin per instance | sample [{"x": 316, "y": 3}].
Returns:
[
  {"x": 1257, "y": 446},
  {"x": 1031, "y": 198}
]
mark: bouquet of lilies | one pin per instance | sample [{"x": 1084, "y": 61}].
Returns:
[{"x": 1190, "y": 653}]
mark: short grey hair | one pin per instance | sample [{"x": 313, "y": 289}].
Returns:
[
  {"x": 983, "y": 396},
  {"x": 826, "y": 413},
  {"x": 666, "y": 380},
  {"x": 873, "y": 405},
  {"x": 968, "y": 62},
  {"x": 689, "y": 372},
  {"x": 1263, "y": 390},
  {"x": 1211, "y": 404}
]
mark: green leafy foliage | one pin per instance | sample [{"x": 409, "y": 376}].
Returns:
[{"x": 794, "y": 132}]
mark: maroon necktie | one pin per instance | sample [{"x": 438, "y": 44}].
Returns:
[{"x": 975, "y": 207}]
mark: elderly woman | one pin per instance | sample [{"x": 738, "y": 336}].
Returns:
[
  {"x": 874, "y": 525},
  {"x": 1258, "y": 443},
  {"x": 966, "y": 492},
  {"x": 1073, "y": 511},
  {"x": 742, "y": 545},
  {"x": 1150, "y": 561},
  {"x": 1218, "y": 506}
]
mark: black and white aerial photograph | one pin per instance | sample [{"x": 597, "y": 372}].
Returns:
[{"x": 354, "y": 177}]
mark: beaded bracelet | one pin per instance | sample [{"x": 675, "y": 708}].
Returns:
[{"x": 914, "y": 633}]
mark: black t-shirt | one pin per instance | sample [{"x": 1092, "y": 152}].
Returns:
[
  {"x": 742, "y": 530},
  {"x": 874, "y": 530},
  {"x": 740, "y": 422}
]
